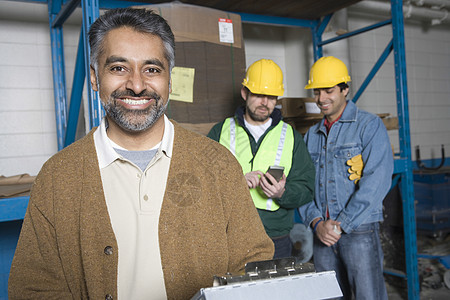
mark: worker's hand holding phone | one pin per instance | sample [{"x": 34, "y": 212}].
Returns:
[
  {"x": 272, "y": 184},
  {"x": 276, "y": 172}
]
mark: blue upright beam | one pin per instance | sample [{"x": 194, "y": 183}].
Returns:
[
  {"x": 407, "y": 187},
  {"x": 402, "y": 166},
  {"x": 90, "y": 14},
  {"x": 59, "y": 77},
  {"x": 317, "y": 33},
  {"x": 77, "y": 92}
]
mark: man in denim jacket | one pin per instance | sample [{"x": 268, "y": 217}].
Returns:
[{"x": 354, "y": 163}]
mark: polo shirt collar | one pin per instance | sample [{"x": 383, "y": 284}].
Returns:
[{"x": 106, "y": 153}]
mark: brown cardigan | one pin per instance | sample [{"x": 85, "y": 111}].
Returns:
[{"x": 208, "y": 225}]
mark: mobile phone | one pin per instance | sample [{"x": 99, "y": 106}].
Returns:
[{"x": 276, "y": 172}]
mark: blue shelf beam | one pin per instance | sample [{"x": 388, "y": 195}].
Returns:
[
  {"x": 90, "y": 14},
  {"x": 395, "y": 273},
  {"x": 317, "y": 33},
  {"x": 406, "y": 182},
  {"x": 13, "y": 209},
  {"x": 402, "y": 166},
  {"x": 67, "y": 116},
  {"x": 65, "y": 13},
  {"x": 76, "y": 96},
  {"x": 58, "y": 68},
  {"x": 374, "y": 70},
  {"x": 355, "y": 32},
  {"x": 443, "y": 259}
]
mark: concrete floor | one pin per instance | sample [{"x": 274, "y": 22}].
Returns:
[
  {"x": 396, "y": 293},
  {"x": 431, "y": 271}
]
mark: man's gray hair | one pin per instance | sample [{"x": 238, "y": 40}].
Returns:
[{"x": 141, "y": 20}]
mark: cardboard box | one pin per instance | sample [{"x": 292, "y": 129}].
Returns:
[
  {"x": 300, "y": 113},
  {"x": 391, "y": 123},
  {"x": 219, "y": 66},
  {"x": 299, "y": 107},
  {"x": 302, "y": 124}
]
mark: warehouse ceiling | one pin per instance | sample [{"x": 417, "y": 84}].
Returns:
[{"x": 300, "y": 9}]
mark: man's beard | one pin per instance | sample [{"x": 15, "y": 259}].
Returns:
[
  {"x": 256, "y": 117},
  {"x": 133, "y": 120}
]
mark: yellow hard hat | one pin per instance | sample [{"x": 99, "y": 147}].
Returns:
[
  {"x": 264, "y": 77},
  {"x": 327, "y": 72}
]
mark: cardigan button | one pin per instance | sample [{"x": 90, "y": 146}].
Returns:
[
  {"x": 108, "y": 251},
  {"x": 108, "y": 297}
]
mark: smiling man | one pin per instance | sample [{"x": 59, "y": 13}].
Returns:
[
  {"x": 134, "y": 87},
  {"x": 353, "y": 158},
  {"x": 258, "y": 138},
  {"x": 139, "y": 208}
]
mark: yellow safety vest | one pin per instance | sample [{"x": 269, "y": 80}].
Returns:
[{"x": 276, "y": 149}]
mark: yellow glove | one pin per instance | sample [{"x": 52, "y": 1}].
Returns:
[{"x": 356, "y": 167}]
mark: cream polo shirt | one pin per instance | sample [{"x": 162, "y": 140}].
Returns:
[{"x": 134, "y": 201}]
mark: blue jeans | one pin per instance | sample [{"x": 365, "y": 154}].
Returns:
[
  {"x": 357, "y": 259},
  {"x": 283, "y": 246}
]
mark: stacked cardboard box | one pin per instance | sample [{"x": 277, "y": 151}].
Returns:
[
  {"x": 219, "y": 66},
  {"x": 300, "y": 113},
  {"x": 391, "y": 123}
]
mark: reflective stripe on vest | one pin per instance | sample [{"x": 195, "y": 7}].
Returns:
[{"x": 276, "y": 149}]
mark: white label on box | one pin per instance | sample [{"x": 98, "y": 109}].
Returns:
[
  {"x": 312, "y": 108},
  {"x": 225, "y": 31}
]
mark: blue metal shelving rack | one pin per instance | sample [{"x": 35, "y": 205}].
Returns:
[
  {"x": 403, "y": 165},
  {"x": 67, "y": 116}
]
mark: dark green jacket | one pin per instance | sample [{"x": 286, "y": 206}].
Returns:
[{"x": 299, "y": 183}]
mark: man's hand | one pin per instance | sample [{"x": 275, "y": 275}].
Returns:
[
  {"x": 326, "y": 233},
  {"x": 271, "y": 187},
  {"x": 253, "y": 178}
]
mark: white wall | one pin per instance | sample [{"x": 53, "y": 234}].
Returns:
[
  {"x": 27, "y": 120},
  {"x": 27, "y": 114},
  {"x": 289, "y": 47}
]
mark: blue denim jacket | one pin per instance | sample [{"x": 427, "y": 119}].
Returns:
[{"x": 356, "y": 132}]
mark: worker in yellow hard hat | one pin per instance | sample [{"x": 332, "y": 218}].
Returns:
[
  {"x": 353, "y": 160},
  {"x": 259, "y": 139}
]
